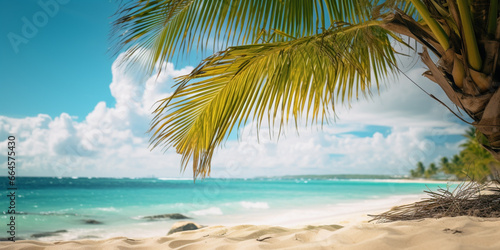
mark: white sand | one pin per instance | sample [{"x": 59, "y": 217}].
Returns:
[
  {"x": 349, "y": 229},
  {"x": 446, "y": 233}
]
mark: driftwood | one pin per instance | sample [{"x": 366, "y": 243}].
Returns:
[{"x": 468, "y": 199}]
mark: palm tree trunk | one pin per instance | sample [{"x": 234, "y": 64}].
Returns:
[
  {"x": 484, "y": 109},
  {"x": 480, "y": 101}
]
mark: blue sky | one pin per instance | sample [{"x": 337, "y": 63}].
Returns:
[
  {"x": 64, "y": 67},
  {"x": 76, "y": 112}
]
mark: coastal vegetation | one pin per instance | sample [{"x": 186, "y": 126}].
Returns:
[
  {"x": 338, "y": 177},
  {"x": 473, "y": 162},
  {"x": 283, "y": 61},
  {"x": 475, "y": 196}
]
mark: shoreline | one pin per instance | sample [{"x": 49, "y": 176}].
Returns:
[
  {"x": 343, "y": 214},
  {"x": 347, "y": 229},
  {"x": 257, "y": 213}
]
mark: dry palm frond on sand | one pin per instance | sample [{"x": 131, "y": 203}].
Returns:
[{"x": 467, "y": 199}]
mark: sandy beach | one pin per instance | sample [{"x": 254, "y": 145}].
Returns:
[
  {"x": 346, "y": 231},
  {"x": 445, "y": 233}
]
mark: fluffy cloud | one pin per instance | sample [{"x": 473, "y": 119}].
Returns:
[{"x": 111, "y": 141}]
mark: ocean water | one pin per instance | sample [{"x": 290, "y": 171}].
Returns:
[{"x": 53, "y": 204}]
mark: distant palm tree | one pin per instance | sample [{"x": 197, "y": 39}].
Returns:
[
  {"x": 295, "y": 59},
  {"x": 431, "y": 171},
  {"x": 456, "y": 167},
  {"x": 472, "y": 162},
  {"x": 444, "y": 163},
  {"x": 413, "y": 173},
  {"x": 451, "y": 168},
  {"x": 419, "y": 171},
  {"x": 476, "y": 161}
]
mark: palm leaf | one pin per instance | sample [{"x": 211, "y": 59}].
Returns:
[
  {"x": 152, "y": 31},
  {"x": 277, "y": 81}
]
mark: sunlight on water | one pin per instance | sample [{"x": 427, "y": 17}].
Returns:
[{"x": 75, "y": 208}]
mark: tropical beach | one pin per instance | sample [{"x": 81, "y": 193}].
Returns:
[
  {"x": 292, "y": 213},
  {"x": 60, "y": 209},
  {"x": 345, "y": 225},
  {"x": 250, "y": 124}
]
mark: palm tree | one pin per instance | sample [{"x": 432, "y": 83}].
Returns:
[
  {"x": 450, "y": 168},
  {"x": 293, "y": 59},
  {"x": 413, "y": 173},
  {"x": 444, "y": 163},
  {"x": 457, "y": 167},
  {"x": 431, "y": 171},
  {"x": 419, "y": 171},
  {"x": 476, "y": 161}
]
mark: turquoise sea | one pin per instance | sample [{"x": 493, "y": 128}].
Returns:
[{"x": 110, "y": 207}]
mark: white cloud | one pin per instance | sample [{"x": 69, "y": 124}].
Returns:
[
  {"x": 111, "y": 141},
  {"x": 327, "y": 152}
]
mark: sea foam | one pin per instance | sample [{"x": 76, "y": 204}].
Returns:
[
  {"x": 208, "y": 211},
  {"x": 107, "y": 209},
  {"x": 252, "y": 205}
]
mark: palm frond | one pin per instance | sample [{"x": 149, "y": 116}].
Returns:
[
  {"x": 300, "y": 78},
  {"x": 153, "y": 30},
  {"x": 390, "y": 6}
]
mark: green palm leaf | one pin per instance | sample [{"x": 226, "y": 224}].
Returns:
[
  {"x": 304, "y": 77},
  {"x": 152, "y": 30},
  {"x": 290, "y": 59}
]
